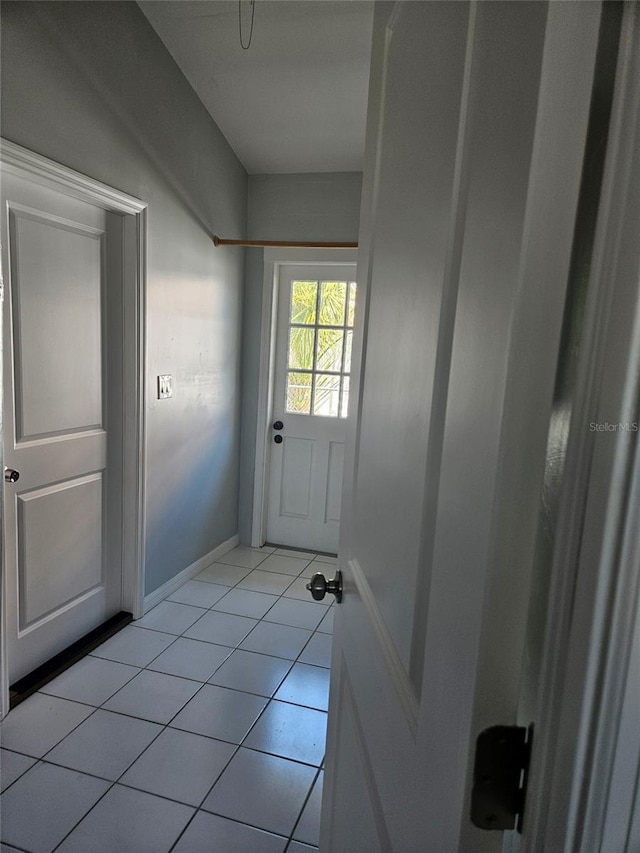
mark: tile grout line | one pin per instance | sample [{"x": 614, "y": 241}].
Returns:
[
  {"x": 232, "y": 820},
  {"x": 291, "y": 661},
  {"x": 163, "y": 728},
  {"x": 304, "y": 805},
  {"x": 253, "y": 725},
  {"x": 113, "y": 783},
  {"x": 269, "y": 699},
  {"x": 278, "y": 596}
]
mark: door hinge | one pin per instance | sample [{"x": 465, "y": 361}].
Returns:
[{"x": 500, "y": 776}]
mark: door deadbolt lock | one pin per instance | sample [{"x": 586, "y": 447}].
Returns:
[
  {"x": 278, "y": 425},
  {"x": 319, "y": 586},
  {"x": 11, "y": 476}
]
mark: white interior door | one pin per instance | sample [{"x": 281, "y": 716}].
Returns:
[
  {"x": 475, "y": 143},
  {"x": 312, "y": 375},
  {"x": 62, "y": 427}
]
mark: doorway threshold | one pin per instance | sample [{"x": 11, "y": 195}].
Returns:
[
  {"x": 46, "y": 672},
  {"x": 302, "y": 550}
]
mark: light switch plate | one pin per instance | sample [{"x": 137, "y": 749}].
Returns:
[{"x": 164, "y": 386}]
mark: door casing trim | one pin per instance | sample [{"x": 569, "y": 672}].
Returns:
[
  {"x": 274, "y": 259},
  {"x": 577, "y": 800},
  {"x": 19, "y": 161}
]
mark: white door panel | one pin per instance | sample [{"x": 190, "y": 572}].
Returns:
[
  {"x": 447, "y": 272},
  {"x": 356, "y": 803},
  {"x": 335, "y": 468},
  {"x": 58, "y": 389},
  {"x": 311, "y": 392},
  {"x": 297, "y": 476},
  {"x": 63, "y": 573},
  {"x": 54, "y": 568}
]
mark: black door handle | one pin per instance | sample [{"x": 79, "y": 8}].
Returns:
[{"x": 319, "y": 586}]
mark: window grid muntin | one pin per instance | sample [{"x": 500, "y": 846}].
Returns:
[{"x": 344, "y": 328}]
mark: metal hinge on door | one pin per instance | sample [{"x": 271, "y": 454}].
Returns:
[{"x": 500, "y": 775}]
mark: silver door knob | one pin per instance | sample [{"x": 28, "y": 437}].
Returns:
[
  {"x": 319, "y": 586},
  {"x": 11, "y": 476}
]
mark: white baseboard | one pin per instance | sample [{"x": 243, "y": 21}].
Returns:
[{"x": 191, "y": 571}]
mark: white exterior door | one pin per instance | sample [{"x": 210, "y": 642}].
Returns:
[
  {"x": 312, "y": 374},
  {"x": 475, "y": 144},
  {"x": 62, "y": 424}
]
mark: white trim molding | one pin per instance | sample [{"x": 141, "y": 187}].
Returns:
[
  {"x": 388, "y": 652},
  {"x": 584, "y": 795},
  {"x": 191, "y": 571},
  {"x": 16, "y": 160},
  {"x": 135, "y": 427}
]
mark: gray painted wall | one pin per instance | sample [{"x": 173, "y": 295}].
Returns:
[
  {"x": 304, "y": 206},
  {"x": 284, "y": 207},
  {"x": 89, "y": 84}
]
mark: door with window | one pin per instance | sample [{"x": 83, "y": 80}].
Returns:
[{"x": 316, "y": 309}]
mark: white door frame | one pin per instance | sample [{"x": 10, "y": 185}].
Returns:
[
  {"x": 19, "y": 161},
  {"x": 583, "y": 796},
  {"x": 274, "y": 259}
]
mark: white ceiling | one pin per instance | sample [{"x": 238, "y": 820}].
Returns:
[{"x": 296, "y": 100}]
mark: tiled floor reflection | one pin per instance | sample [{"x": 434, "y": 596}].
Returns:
[{"x": 199, "y": 728}]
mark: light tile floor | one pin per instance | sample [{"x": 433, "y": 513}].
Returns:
[{"x": 199, "y": 728}]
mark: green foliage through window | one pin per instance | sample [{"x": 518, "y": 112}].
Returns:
[{"x": 321, "y": 318}]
